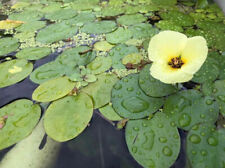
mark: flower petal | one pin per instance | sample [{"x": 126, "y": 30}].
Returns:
[
  {"x": 166, "y": 74},
  {"x": 194, "y": 54},
  {"x": 165, "y": 45}
]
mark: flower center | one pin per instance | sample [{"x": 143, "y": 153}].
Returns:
[{"x": 176, "y": 62}]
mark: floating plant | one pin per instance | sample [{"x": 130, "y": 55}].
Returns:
[{"x": 136, "y": 63}]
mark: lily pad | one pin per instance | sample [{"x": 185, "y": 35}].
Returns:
[
  {"x": 103, "y": 46},
  {"x": 153, "y": 87},
  {"x": 8, "y": 45},
  {"x": 61, "y": 14},
  {"x": 153, "y": 143},
  {"x": 33, "y": 53},
  {"x": 188, "y": 108},
  {"x": 131, "y": 19},
  {"x": 219, "y": 93},
  {"x": 53, "y": 89},
  {"x": 100, "y": 65},
  {"x": 46, "y": 72},
  {"x": 204, "y": 143},
  {"x": 99, "y": 27},
  {"x": 100, "y": 91},
  {"x": 68, "y": 117},
  {"x": 143, "y": 31},
  {"x": 169, "y": 25},
  {"x": 14, "y": 71},
  {"x": 129, "y": 101},
  {"x": 120, "y": 35},
  {"x": 109, "y": 113},
  {"x": 208, "y": 72},
  {"x": 133, "y": 58},
  {"x": 31, "y": 26},
  {"x": 118, "y": 52},
  {"x": 178, "y": 18},
  {"x": 111, "y": 11},
  {"x": 82, "y": 18},
  {"x": 56, "y": 32},
  {"x": 20, "y": 118},
  {"x": 76, "y": 56},
  {"x": 10, "y": 24},
  {"x": 26, "y": 16}
]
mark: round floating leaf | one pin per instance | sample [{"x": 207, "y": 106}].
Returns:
[
  {"x": 205, "y": 146},
  {"x": 33, "y": 53},
  {"x": 109, "y": 113},
  {"x": 66, "y": 118},
  {"x": 188, "y": 108},
  {"x": 31, "y": 26},
  {"x": 111, "y": 11},
  {"x": 8, "y": 45},
  {"x": 14, "y": 71},
  {"x": 46, "y": 72},
  {"x": 143, "y": 30},
  {"x": 153, "y": 87},
  {"x": 131, "y": 19},
  {"x": 219, "y": 93},
  {"x": 129, "y": 101},
  {"x": 53, "y": 89},
  {"x": 56, "y": 32},
  {"x": 100, "y": 64},
  {"x": 26, "y": 16},
  {"x": 82, "y": 18},
  {"x": 102, "y": 46},
  {"x": 100, "y": 91},
  {"x": 121, "y": 35},
  {"x": 19, "y": 118},
  {"x": 134, "y": 58},
  {"x": 169, "y": 25},
  {"x": 208, "y": 72},
  {"x": 61, "y": 14},
  {"x": 164, "y": 2},
  {"x": 153, "y": 143},
  {"x": 118, "y": 52},
  {"x": 10, "y": 24},
  {"x": 178, "y": 18},
  {"x": 76, "y": 56},
  {"x": 99, "y": 27}
]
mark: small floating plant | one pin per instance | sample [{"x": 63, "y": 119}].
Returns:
[{"x": 149, "y": 67}]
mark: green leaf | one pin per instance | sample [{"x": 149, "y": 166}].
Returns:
[
  {"x": 8, "y": 45},
  {"x": 62, "y": 14},
  {"x": 14, "y": 71},
  {"x": 68, "y": 117},
  {"x": 219, "y": 93},
  {"x": 205, "y": 146},
  {"x": 100, "y": 64},
  {"x": 153, "y": 143},
  {"x": 99, "y": 27},
  {"x": 188, "y": 108},
  {"x": 153, "y": 87},
  {"x": 120, "y": 35},
  {"x": 100, "y": 91},
  {"x": 131, "y": 19},
  {"x": 109, "y": 113},
  {"x": 22, "y": 116},
  {"x": 26, "y": 16},
  {"x": 33, "y": 53},
  {"x": 56, "y": 32},
  {"x": 129, "y": 101},
  {"x": 90, "y": 78},
  {"x": 53, "y": 89},
  {"x": 31, "y": 26}
]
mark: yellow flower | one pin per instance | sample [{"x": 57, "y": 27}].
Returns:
[{"x": 175, "y": 57}]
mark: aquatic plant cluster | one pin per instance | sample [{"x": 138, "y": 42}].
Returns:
[{"x": 102, "y": 63}]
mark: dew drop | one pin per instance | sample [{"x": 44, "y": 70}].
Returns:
[
  {"x": 120, "y": 96},
  {"x": 135, "y": 104},
  {"x": 193, "y": 152},
  {"x": 162, "y": 139},
  {"x": 130, "y": 89},
  {"x": 151, "y": 163},
  {"x": 134, "y": 149},
  {"x": 160, "y": 125},
  {"x": 202, "y": 134},
  {"x": 203, "y": 152},
  {"x": 167, "y": 151},
  {"x": 195, "y": 127},
  {"x": 125, "y": 80},
  {"x": 209, "y": 102},
  {"x": 144, "y": 125},
  {"x": 148, "y": 140},
  {"x": 135, "y": 128},
  {"x": 212, "y": 141},
  {"x": 173, "y": 124},
  {"x": 184, "y": 120},
  {"x": 117, "y": 86},
  {"x": 141, "y": 81},
  {"x": 202, "y": 116},
  {"x": 195, "y": 139}
]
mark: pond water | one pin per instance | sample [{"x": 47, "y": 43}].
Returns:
[{"x": 109, "y": 41}]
